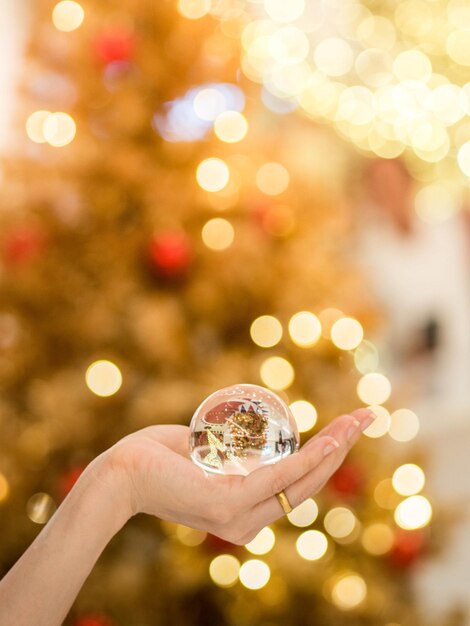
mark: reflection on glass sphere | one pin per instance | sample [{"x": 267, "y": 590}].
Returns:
[{"x": 240, "y": 428}]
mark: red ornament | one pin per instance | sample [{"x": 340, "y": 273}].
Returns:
[
  {"x": 94, "y": 620},
  {"x": 348, "y": 480},
  {"x": 23, "y": 245},
  {"x": 407, "y": 548},
  {"x": 68, "y": 480},
  {"x": 114, "y": 45},
  {"x": 171, "y": 254}
]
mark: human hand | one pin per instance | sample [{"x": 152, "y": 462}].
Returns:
[{"x": 158, "y": 477}]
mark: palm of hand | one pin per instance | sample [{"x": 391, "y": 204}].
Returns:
[{"x": 163, "y": 481}]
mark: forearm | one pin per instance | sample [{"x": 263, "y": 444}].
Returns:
[{"x": 40, "y": 589}]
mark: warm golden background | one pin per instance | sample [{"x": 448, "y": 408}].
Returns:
[{"x": 206, "y": 192}]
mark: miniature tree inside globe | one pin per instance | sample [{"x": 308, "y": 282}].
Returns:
[{"x": 240, "y": 428}]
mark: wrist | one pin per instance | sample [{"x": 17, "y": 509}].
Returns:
[{"x": 109, "y": 484}]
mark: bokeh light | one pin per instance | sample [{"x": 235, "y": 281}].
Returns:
[
  {"x": 304, "y": 514},
  {"x": 103, "y": 378},
  {"x": 374, "y": 388},
  {"x": 282, "y": 11},
  {"x": 385, "y": 495},
  {"x": 349, "y": 591},
  {"x": 266, "y": 331},
  {"x": 224, "y": 570},
  {"x": 408, "y": 479},
  {"x": 404, "y": 425},
  {"x": 212, "y": 174},
  {"x": 304, "y": 329},
  {"x": 218, "y": 233},
  {"x": 209, "y": 103},
  {"x": 277, "y": 373},
  {"x": 254, "y": 574},
  {"x": 312, "y": 545},
  {"x": 194, "y": 9},
  {"x": 463, "y": 158},
  {"x": 4, "y": 488},
  {"x": 59, "y": 129},
  {"x": 272, "y": 179},
  {"x": 305, "y": 415},
  {"x": 334, "y": 56},
  {"x": 230, "y": 126},
  {"x": 35, "y": 126},
  {"x": 190, "y": 536},
  {"x": 263, "y": 542},
  {"x": 340, "y": 522},
  {"x": 414, "y": 512},
  {"x": 40, "y": 508},
  {"x": 381, "y": 424},
  {"x": 377, "y": 538},
  {"x": 366, "y": 357},
  {"x": 347, "y": 333},
  {"x": 67, "y": 15}
]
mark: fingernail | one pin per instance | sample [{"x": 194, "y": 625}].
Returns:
[
  {"x": 353, "y": 429},
  {"x": 367, "y": 422},
  {"x": 330, "y": 447}
]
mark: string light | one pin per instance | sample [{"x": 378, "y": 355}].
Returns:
[
  {"x": 277, "y": 373},
  {"x": 59, "y": 129},
  {"x": 212, "y": 174},
  {"x": 272, "y": 179},
  {"x": 374, "y": 388},
  {"x": 190, "y": 536},
  {"x": 35, "y": 126},
  {"x": 263, "y": 542},
  {"x": 414, "y": 512},
  {"x": 385, "y": 495},
  {"x": 349, "y": 591},
  {"x": 67, "y": 15},
  {"x": 312, "y": 545},
  {"x": 224, "y": 570},
  {"x": 230, "y": 126},
  {"x": 304, "y": 329},
  {"x": 266, "y": 331},
  {"x": 305, "y": 415},
  {"x": 194, "y": 9},
  {"x": 218, "y": 234},
  {"x": 377, "y": 538},
  {"x": 254, "y": 574},
  {"x": 209, "y": 103},
  {"x": 103, "y": 378},
  {"x": 282, "y": 11},
  {"x": 399, "y": 104},
  {"x": 347, "y": 333},
  {"x": 366, "y": 357},
  {"x": 304, "y": 514},
  {"x": 340, "y": 522},
  {"x": 381, "y": 424},
  {"x": 408, "y": 479},
  {"x": 404, "y": 425},
  {"x": 463, "y": 158}
]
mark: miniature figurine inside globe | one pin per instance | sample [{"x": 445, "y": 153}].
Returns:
[{"x": 240, "y": 428}]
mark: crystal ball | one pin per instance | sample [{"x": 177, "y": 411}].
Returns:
[{"x": 240, "y": 428}]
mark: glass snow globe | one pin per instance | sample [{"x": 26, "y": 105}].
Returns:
[{"x": 240, "y": 428}]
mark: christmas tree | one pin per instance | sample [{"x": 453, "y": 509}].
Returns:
[{"x": 166, "y": 233}]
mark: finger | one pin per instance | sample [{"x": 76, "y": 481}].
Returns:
[
  {"x": 270, "y": 509},
  {"x": 362, "y": 415},
  {"x": 272, "y": 479}
]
